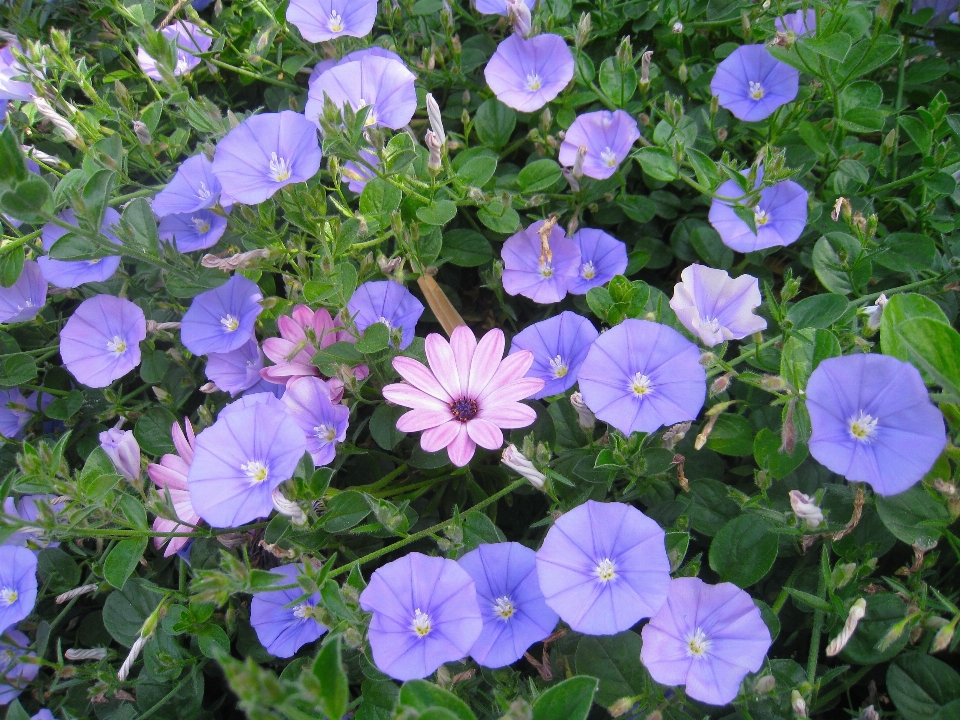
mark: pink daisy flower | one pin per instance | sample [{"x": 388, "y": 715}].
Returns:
[
  {"x": 171, "y": 474},
  {"x": 300, "y": 337},
  {"x": 469, "y": 392}
]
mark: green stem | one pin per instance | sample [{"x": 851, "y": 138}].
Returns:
[
  {"x": 902, "y": 181},
  {"x": 817, "y": 627},
  {"x": 903, "y": 288},
  {"x": 851, "y": 681},
  {"x": 248, "y": 73},
  {"x": 170, "y": 695},
  {"x": 17, "y": 242},
  {"x": 428, "y": 531}
]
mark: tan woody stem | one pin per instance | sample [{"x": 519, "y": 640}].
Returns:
[{"x": 440, "y": 304}]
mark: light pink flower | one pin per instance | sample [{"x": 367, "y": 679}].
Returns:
[
  {"x": 469, "y": 392},
  {"x": 300, "y": 337},
  {"x": 171, "y": 474}
]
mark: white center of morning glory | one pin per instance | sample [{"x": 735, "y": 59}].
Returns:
[
  {"x": 605, "y": 570},
  {"x": 279, "y": 169},
  {"x": 546, "y": 270},
  {"x": 118, "y": 346},
  {"x": 504, "y": 608},
  {"x": 588, "y": 271},
  {"x": 641, "y": 385},
  {"x": 710, "y": 325},
  {"x": 534, "y": 82},
  {"x": 255, "y": 470},
  {"x": 609, "y": 157},
  {"x": 230, "y": 323},
  {"x": 863, "y": 427},
  {"x": 183, "y": 64},
  {"x": 371, "y": 115},
  {"x": 202, "y": 226},
  {"x": 301, "y": 611},
  {"x": 29, "y": 304},
  {"x": 558, "y": 368},
  {"x": 385, "y": 322},
  {"x": 336, "y": 22},
  {"x": 697, "y": 644},
  {"x": 8, "y": 596},
  {"x": 756, "y": 90},
  {"x": 327, "y": 433},
  {"x": 202, "y": 192},
  {"x": 760, "y": 217},
  {"x": 94, "y": 262},
  {"x": 421, "y": 623}
]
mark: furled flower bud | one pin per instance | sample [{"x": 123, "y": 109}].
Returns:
[
  {"x": 854, "y": 616},
  {"x": 625, "y": 54},
  {"x": 435, "y": 161},
  {"x": 583, "y": 30},
  {"x": 764, "y": 685},
  {"x": 436, "y": 121},
  {"x": 773, "y": 383},
  {"x": 234, "y": 262},
  {"x": 645, "y": 70},
  {"x": 123, "y": 450},
  {"x": 806, "y": 509},
  {"x": 788, "y": 433},
  {"x": 721, "y": 383},
  {"x": 677, "y": 28},
  {"x": 585, "y": 416},
  {"x": 47, "y": 111},
  {"x": 798, "y": 704},
  {"x": 944, "y": 636},
  {"x": 519, "y": 15},
  {"x": 517, "y": 461},
  {"x": 288, "y": 507},
  {"x": 874, "y": 312},
  {"x": 142, "y": 132},
  {"x": 869, "y": 713},
  {"x": 578, "y": 163},
  {"x": 621, "y": 707}
]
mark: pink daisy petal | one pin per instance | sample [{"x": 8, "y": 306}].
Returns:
[
  {"x": 439, "y": 437},
  {"x": 509, "y": 415},
  {"x": 417, "y": 420},
  {"x": 486, "y": 361},
  {"x": 463, "y": 343},
  {"x": 485, "y": 434},
  {"x": 462, "y": 448},
  {"x": 517, "y": 390},
  {"x": 418, "y": 375},
  {"x": 443, "y": 364},
  {"x": 408, "y": 396},
  {"x": 512, "y": 368}
]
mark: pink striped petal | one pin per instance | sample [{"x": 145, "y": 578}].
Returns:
[
  {"x": 509, "y": 415},
  {"x": 485, "y": 434},
  {"x": 279, "y": 374},
  {"x": 462, "y": 448},
  {"x": 163, "y": 476},
  {"x": 417, "y": 420},
  {"x": 464, "y": 344},
  {"x": 441, "y": 436},
  {"x": 486, "y": 360},
  {"x": 292, "y": 330},
  {"x": 518, "y": 390},
  {"x": 443, "y": 364},
  {"x": 419, "y": 375},
  {"x": 513, "y": 367},
  {"x": 408, "y": 396}
]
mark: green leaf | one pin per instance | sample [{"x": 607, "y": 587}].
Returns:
[
  {"x": 495, "y": 123},
  {"x": 58, "y": 569},
  {"x": 379, "y": 697},
  {"x": 34, "y": 193},
  {"x": 213, "y": 641},
  {"x": 570, "y": 700},
  {"x": 383, "y": 426},
  {"x": 539, "y": 176},
  {"x": 344, "y": 511},
  {"x": 13, "y": 166},
  {"x": 477, "y": 171},
  {"x": 638, "y": 208},
  {"x": 766, "y": 451},
  {"x": 732, "y": 435},
  {"x": 811, "y": 600},
  {"x": 376, "y": 338},
  {"x": 379, "y": 197},
  {"x": 439, "y": 213},
  {"x": 153, "y": 431},
  {"x": 466, "y": 248},
  {"x": 803, "y": 351},
  {"x": 744, "y": 550},
  {"x": 934, "y": 348},
  {"x": 818, "y": 311},
  {"x": 123, "y": 559},
  {"x": 64, "y": 408},
  {"x": 95, "y": 196},
  {"x": 902, "y": 309},
  {"x": 906, "y": 251},
  {"x": 334, "y": 689},
  {"x": 11, "y": 266},
  {"x": 914, "y": 516},
  {"x": 422, "y": 695},
  {"x": 617, "y": 85},
  {"x": 920, "y": 685},
  {"x": 884, "y": 610},
  {"x": 658, "y": 163},
  {"x": 139, "y": 226},
  {"x": 615, "y": 661},
  {"x": 17, "y": 369},
  {"x": 835, "y": 46},
  {"x": 499, "y": 218},
  {"x": 838, "y": 263}
]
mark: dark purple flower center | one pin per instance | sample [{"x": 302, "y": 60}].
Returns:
[{"x": 464, "y": 409}]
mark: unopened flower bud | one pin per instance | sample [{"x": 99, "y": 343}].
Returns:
[
  {"x": 869, "y": 713},
  {"x": 682, "y": 72},
  {"x": 583, "y": 30},
  {"x": 585, "y": 417},
  {"x": 675, "y": 434},
  {"x": 435, "y": 161},
  {"x": 944, "y": 636},
  {"x": 677, "y": 28},
  {"x": 745, "y": 24},
  {"x": 517, "y": 461},
  {"x": 142, "y": 132},
  {"x": 704, "y": 435},
  {"x": 890, "y": 141},
  {"x": 843, "y": 573},
  {"x": 625, "y": 54},
  {"x": 123, "y": 450},
  {"x": 645, "y": 70},
  {"x": 47, "y": 111},
  {"x": 773, "y": 383},
  {"x": 788, "y": 433},
  {"x": 621, "y": 707},
  {"x": 874, "y": 312},
  {"x": 436, "y": 120},
  {"x": 715, "y": 108},
  {"x": 764, "y": 685},
  {"x": 519, "y": 14},
  {"x": 577, "y": 171},
  {"x": 798, "y": 704},
  {"x": 721, "y": 383},
  {"x": 234, "y": 262},
  {"x": 288, "y": 507},
  {"x": 806, "y": 509},
  {"x": 209, "y": 388}
]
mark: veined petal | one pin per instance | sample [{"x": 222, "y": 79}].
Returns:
[
  {"x": 417, "y": 420},
  {"x": 509, "y": 415},
  {"x": 409, "y": 396},
  {"x": 420, "y": 376},
  {"x": 439, "y": 437},
  {"x": 485, "y": 434},
  {"x": 461, "y": 449},
  {"x": 486, "y": 361},
  {"x": 517, "y": 390},
  {"x": 443, "y": 364},
  {"x": 463, "y": 343},
  {"x": 512, "y": 368}
]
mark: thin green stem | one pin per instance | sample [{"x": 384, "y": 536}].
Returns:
[
  {"x": 903, "y": 288},
  {"x": 428, "y": 531},
  {"x": 817, "y": 627},
  {"x": 173, "y": 691}
]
